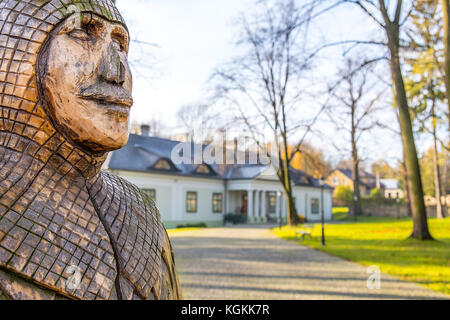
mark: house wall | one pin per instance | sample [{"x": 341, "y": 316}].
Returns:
[
  {"x": 394, "y": 194},
  {"x": 431, "y": 201},
  {"x": 303, "y": 201},
  {"x": 338, "y": 179},
  {"x": 171, "y": 192},
  {"x": 344, "y": 181}
]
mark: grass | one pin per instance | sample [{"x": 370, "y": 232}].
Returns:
[
  {"x": 172, "y": 231},
  {"x": 340, "y": 213},
  {"x": 384, "y": 242},
  {"x": 337, "y": 210}
]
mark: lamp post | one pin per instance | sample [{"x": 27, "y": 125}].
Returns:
[
  {"x": 355, "y": 205},
  {"x": 279, "y": 209},
  {"x": 322, "y": 184}
]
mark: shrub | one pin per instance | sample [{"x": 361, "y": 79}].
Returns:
[
  {"x": 198, "y": 225},
  {"x": 344, "y": 194},
  {"x": 376, "y": 197},
  {"x": 235, "y": 218},
  {"x": 376, "y": 194}
]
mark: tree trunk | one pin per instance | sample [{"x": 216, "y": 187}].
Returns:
[
  {"x": 356, "y": 191},
  {"x": 356, "y": 181},
  {"x": 406, "y": 188},
  {"x": 420, "y": 230},
  {"x": 293, "y": 218},
  {"x": 284, "y": 176},
  {"x": 437, "y": 171},
  {"x": 446, "y": 12},
  {"x": 444, "y": 181},
  {"x": 437, "y": 182}
]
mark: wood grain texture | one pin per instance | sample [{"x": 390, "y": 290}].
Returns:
[{"x": 57, "y": 208}]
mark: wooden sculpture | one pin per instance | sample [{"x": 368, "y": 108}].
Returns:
[{"x": 67, "y": 229}]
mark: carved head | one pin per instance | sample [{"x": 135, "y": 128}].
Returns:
[
  {"x": 86, "y": 82},
  {"x": 64, "y": 71}
]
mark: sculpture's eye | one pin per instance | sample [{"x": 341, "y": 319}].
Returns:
[
  {"x": 80, "y": 34},
  {"x": 119, "y": 45},
  {"x": 88, "y": 31},
  {"x": 120, "y": 39}
]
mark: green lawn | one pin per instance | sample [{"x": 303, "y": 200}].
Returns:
[
  {"x": 382, "y": 242},
  {"x": 338, "y": 210},
  {"x": 171, "y": 231}
]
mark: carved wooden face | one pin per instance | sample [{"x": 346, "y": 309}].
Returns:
[{"x": 86, "y": 82}]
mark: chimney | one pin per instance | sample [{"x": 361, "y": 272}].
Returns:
[
  {"x": 235, "y": 150},
  {"x": 145, "y": 130},
  {"x": 378, "y": 180}
]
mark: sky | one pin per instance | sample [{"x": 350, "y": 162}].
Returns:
[{"x": 193, "y": 37}]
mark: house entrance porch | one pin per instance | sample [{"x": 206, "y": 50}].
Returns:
[{"x": 259, "y": 206}]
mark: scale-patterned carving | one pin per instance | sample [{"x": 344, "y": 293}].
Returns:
[
  {"x": 57, "y": 209},
  {"x": 137, "y": 232}
]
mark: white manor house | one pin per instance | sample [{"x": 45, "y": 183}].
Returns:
[{"x": 203, "y": 193}]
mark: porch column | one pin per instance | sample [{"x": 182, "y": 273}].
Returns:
[
  {"x": 257, "y": 204},
  {"x": 278, "y": 205},
  {"x": 250, "y": 205},
  {"x": 263, "y": 204}
]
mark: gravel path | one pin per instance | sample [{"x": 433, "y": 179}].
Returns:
[{"x": 252, "y": 263}]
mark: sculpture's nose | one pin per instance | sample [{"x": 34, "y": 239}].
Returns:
[{"x": 112, "y": 68}]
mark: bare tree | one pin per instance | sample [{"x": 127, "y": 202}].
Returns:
[
  {"x": 312, "y": 161},
  {"x": 199, "y": 120},
  {"x": 426, "y": 81},
  {"x": 353, "y": 113},
  {"x": 263, "y": 83},
  {"x": 143, "y": 58},
  {"x": 391, "y": 24},
  {"x": 446, "y": 13}
]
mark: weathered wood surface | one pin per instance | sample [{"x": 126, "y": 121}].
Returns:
[{"x": 65, "y": 90}]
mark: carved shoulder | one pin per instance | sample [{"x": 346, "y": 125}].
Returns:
[
  {"x": 13, "y": 287},
  {"x": 141, "y": 241},
  {"x": 171, "y": 288}
]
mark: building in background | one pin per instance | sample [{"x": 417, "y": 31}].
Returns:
[
  {"x": 391, "y": 189},
  {"x": 344, "y": 178},
  {"x": 203, "y": 193}
]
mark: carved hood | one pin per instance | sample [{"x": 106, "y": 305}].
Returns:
[
  {"x": 25, "y": 26},
  {"x": 57, "y": 209}
]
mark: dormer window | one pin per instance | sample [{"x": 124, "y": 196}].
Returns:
[
  {"x": 163, "y": 165},
  {"x": 304, "y": 180},
  {"x": 203, "y": 169}
]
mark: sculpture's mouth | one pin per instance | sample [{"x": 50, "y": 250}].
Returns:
[{"x": 109, "y": 95}]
